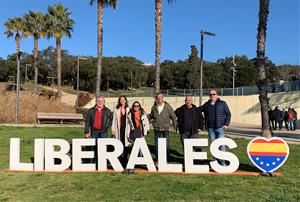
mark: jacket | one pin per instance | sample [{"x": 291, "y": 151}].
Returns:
[
  {"x": 223, "y": 114},
  {"x": 144, "y": 122},
  {"x": 116, "y": 123},
  {"x": 161, "y": 122},
  {"x": 197, "y": 119},
  {"x": 106, "y": 120},
  {"x": 277, "y": 114}
]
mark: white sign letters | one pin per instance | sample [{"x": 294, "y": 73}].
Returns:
[{"x": 53, "y": 155}]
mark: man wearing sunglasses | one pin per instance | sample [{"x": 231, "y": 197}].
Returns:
[{"x": 217, "y": 118}]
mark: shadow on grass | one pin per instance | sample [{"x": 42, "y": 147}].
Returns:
[
  {"x": 247, "y": 168},
  {"x": 174, "y": 156}
]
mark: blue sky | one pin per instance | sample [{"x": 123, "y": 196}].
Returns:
[{"x": 129, "y": 30}]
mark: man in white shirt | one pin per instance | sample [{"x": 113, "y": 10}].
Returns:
[{"x": 161, "y": 114}]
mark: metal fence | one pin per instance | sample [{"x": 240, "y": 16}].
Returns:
[{"x": 239, "y": 91}]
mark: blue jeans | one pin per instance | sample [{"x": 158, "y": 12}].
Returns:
[
  {"x": 161, "y": 134},
  {"x": 290, "y": 125},
  {"x": 215, "y": 133},
  {"x": 99, "y": 134},
  {"x": 96, "y": 135}
]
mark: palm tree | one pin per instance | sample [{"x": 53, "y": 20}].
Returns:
[
  {"x": 158, "y": 23},
  {"x": 260, "y": 64},
  {"x": 100, "y": 5},
  {"x": 35, "y": 26},
  {"x": 59, "y": 24},
  {"x": 15, "y": 25}
]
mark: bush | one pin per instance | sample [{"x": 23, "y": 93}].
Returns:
[
  {"x": 29, "y": 105},
  {"x": 49, "y": 94},
  {"x": 83, "y": 98}
]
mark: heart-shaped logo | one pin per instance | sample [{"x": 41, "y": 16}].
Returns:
[{"x": 268, "y": 154}]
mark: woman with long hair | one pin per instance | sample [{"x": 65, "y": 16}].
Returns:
[
  {"x": 138, "y": 121},
  {"x": 121, "y": 126}
]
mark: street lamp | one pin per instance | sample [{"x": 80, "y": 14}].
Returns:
[
  {"x": 19, "y": 52},
  {"x": 202, "y": 33},
  {"x": 233, "y": 74},
  {"x": 78, "y": 58},
  {"x": 26, "y": 65}
]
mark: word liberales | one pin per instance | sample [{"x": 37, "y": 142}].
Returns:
[{"x": 47, "y": 150}]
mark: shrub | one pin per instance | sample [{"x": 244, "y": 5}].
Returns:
[
  {"x": 83, "y": 98},
  {"x": 49, "y": 94}
]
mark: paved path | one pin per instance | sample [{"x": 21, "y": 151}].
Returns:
[{"x": 250, "y": 131}]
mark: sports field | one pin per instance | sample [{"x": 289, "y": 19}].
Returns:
[{"x": 16, "y": 186}]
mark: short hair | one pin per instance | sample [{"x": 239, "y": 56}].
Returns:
[
  {"x": 213, "y": 89},
  {"x": 188, "y": 96},
  {"x": 159, "y": 93},
  {"x": 99, "y": 97}
]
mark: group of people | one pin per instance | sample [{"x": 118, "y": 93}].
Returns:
[
  {"x": 128, "y": 123},
  {"x": 278, "y": 117}
]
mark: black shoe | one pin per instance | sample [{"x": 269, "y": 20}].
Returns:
[
  {"x": 128, "y": 171},
  {"x": 272, "y": 174}
]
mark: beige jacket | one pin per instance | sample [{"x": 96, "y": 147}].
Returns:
[{"x": 115, "y": 128}]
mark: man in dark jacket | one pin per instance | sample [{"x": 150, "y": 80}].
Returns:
[
  {"x": 98, "y": 120},
  {"x": 217, "y": 118},
  {"x": 189, "y": 119},
  {"x": 271, "y": 118},
  {"x": 277, "y": 114},
  {"x": 285, "y": 118}
]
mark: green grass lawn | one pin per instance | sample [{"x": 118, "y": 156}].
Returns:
[{"x": 17, "y": 186}]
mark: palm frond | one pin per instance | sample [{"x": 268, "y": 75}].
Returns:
[
  {"x": 58, "y": 21},
  {"x": 107, "y": 3}
]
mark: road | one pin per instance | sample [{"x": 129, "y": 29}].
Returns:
[{"x": 250, "y": 131}]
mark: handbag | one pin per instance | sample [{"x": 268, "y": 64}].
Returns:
[{"x": 135, "y": 133}]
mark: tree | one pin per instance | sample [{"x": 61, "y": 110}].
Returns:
[
  {"x": 261, "y": 63},
  {"x": 100, "y": 5},
  {"x": 15, "y": 26},
  {"x": 59, "y": 24},
  {"x": 158, "y": 24},
  {"x": 35, "y": 26},
  {"x": 193, "y": 68},
  {"x": 246, "y": 74},
  {"x": 214, "y": 75}
]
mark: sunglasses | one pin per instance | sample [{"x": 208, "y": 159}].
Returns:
[{"x": 212, "y": 94}]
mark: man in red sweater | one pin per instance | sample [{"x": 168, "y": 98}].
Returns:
[{"x": 98, "y": 120}]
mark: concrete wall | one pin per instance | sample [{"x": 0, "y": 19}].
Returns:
[{"x": 244, "y": 109}]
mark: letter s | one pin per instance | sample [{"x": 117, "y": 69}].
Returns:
[{"x": 233, "y": 160}]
